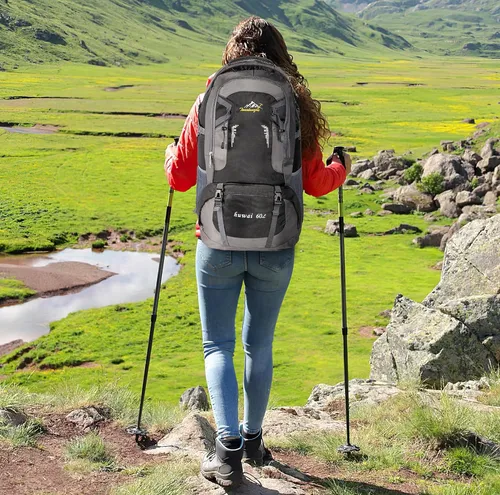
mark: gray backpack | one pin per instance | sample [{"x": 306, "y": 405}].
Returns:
[{"x": 249, "y": 184}]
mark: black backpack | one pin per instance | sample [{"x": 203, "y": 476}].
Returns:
[{"x": 249, "y": 184}]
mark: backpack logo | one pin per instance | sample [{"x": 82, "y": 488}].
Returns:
[{"x": 251, "y": 107}]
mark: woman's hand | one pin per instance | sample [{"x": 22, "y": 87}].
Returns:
[
  {"x": 348, "y": 163},
  {"x": 170, "y": 151}
]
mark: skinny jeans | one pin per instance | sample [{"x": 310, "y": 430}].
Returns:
[{"x": 220, "y": 276}]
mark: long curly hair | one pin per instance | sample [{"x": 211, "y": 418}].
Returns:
[{"x": 258, "y": 38}]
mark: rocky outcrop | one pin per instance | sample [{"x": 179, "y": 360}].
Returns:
[
  {"x": 333, "y": 228},
  {"x": 415, "y": 199},
  {"x": 194, "y": 399},
  {"x": 330, "y": 398},
  {"x": 456, "y": 172},
  {"x": 454, "y": 335}
]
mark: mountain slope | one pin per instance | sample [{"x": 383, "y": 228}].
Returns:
[
  {"x": 469, "y": 27},
  {"x": 144, "y": 31}
]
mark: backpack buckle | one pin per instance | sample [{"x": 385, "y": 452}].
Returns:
[
  {"x": 278, "y": 197},
  {"x": 219, "y": 194}
]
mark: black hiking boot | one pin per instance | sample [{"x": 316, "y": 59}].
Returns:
[
  {"x": 254, "y": 451},
  {"x": 223, "y": 464}
]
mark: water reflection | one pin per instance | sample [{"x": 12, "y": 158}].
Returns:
[{"x": 135, "y": 281}]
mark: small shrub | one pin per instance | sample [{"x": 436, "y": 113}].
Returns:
[
  {"x": 124, "y": 238},
  {"x": 465, "y": 462},
  {"x": 474, "y": 182},
  {"x": 24, "y": 435},
  {"x": 98, "y": 244},
  {"x": 432, "y": 184},
  {"x": 413, "y": 174},
  {"x": 408, "y": 161},
  {"x": 90, "y": 448}
]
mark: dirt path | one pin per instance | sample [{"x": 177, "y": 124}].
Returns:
[{"x": 56, "y": 278}]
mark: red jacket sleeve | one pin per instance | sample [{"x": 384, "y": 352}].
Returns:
[
  {"x": 180, "y": 167},
  {"x": 319, "y": 179}
]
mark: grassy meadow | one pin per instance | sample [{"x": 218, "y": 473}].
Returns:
[{"x": 92, "y": 175}]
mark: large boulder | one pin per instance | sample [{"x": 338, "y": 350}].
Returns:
[
  {"x": 330, "y": 398},
  {"x": 489, "y": 164},
  {"x": 471, "y": 156},
  {"x": 427, "y": 343},
  {"x": 454, "y": 335},
  {"x": 455, "y": 170},
  {"x": 488, "y": 148},
  {"x": 361, "y": 166},
  {"x": 415, "y": 199},
  {"x": 471, "y": 263},
  {"x": 447, "y": 205},
  {"x": 386, "y": 160}
]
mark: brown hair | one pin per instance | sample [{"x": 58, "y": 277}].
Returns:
[{"x": 258, "y": 38}]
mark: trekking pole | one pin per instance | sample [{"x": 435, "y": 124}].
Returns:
[
  {"x": 141, "y": 434},
  {"x": 347, "y": 448}
]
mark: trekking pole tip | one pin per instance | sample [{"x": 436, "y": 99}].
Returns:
[{"x": 348, "y": 449}]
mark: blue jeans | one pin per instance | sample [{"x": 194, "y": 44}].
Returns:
[{"x": 220, "y": 275}]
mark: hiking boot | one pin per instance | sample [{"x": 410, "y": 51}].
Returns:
[
  {"x": 223, "y": 464},
  {"x": 254, "y": 451}
]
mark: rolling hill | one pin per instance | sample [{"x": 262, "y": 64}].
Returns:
[
  {"x": 449, "y": 27},
  {"x": 120, "y": 32}
]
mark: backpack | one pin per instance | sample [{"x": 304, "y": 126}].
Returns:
[{"x": 249, "y": 176}]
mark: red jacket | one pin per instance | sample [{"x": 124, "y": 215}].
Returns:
[{"x": 181, "y": 165}]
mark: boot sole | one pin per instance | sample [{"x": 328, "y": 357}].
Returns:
[{"x": 233, "y": 479}]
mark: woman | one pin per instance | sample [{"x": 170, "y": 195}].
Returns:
[{"x": 221, "y": 274}]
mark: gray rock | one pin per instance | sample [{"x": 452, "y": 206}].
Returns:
[
  {"x": 86, "y": 417},
  {"x": 482, "y": 189},
  {"x": 492, "y": 343},
  {"x": 12, "y": 417},
  {"x": 333, "y": 228},
  {"x": 466, "y": 198},
  {"x": 351, "y": 182},
  {"x": 356, "y": 214},
  {"x": 489, "y": 164},
  {"x": 495, "y": 178},
  {"x": 490, "y": 198},
  {"x": 454, "y": 170},
  {"x": 471, "y": 156},
  {"x": 433, "y": 238},
  {"x": 284, "y": 421},
  {"x": 386, "y": 160},
  {"x": 369, "y": 174},
  {"x": 361, "y": 166},
  {"x": 403, "y": 228},
  {"x": 447, "y": 205},
  {"x": 468, "y": 121},
  {"x": 192, "y": 437},
  {"x": 472, "y": 263},
  {"x": 328, "y": 398},
  {"x": 369, "y": 212},
  {"x": 488, "y": 148},
  {"x": 476, "y": 212},
  {"x": 415, "y": 199},
  {"x": 427, "y": 343},
  {"x": 397, "y": 208},
  {"x": 367, "y": 185},
  {"x": 195, "y": 399},
  {"x": 481, "y": 314}
]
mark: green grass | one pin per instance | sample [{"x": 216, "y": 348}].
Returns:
[
  {"x": 14, "y": 289},
  {"x": 24, "y": 435},
  {"x": 162, "y": 480},
  {"x": 88, "y": 453},
  {"x": 405, "y": 434}
]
